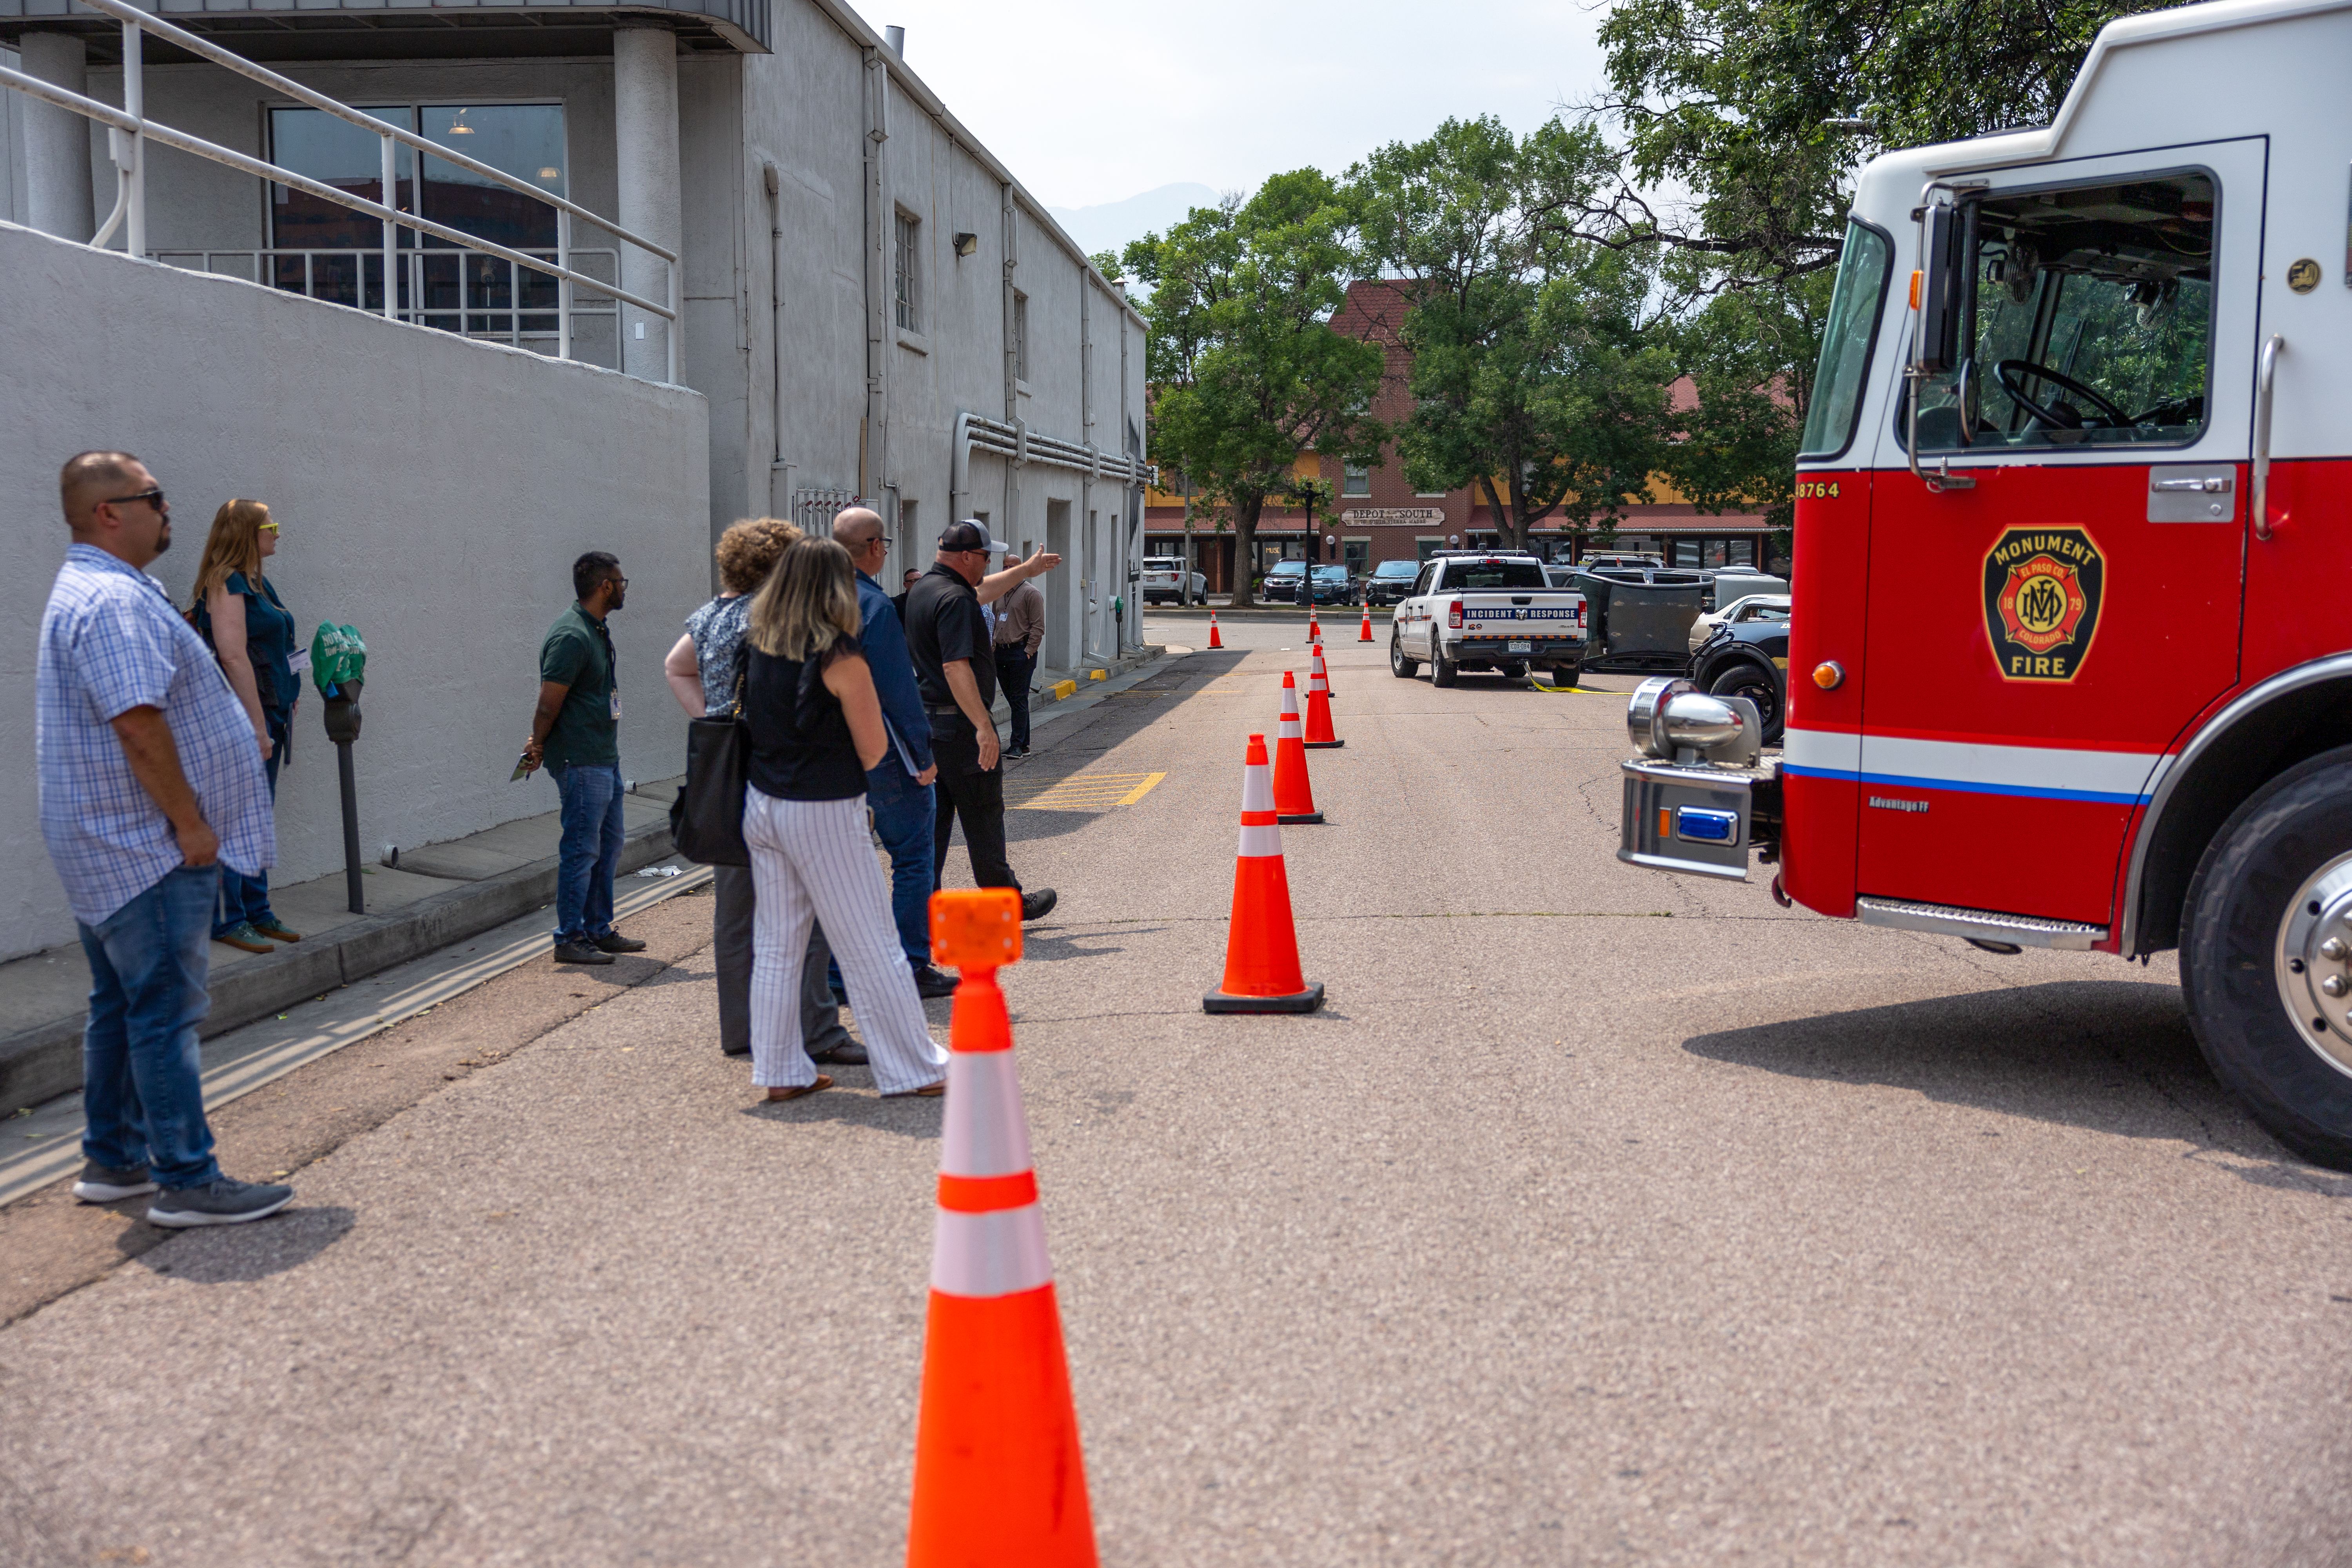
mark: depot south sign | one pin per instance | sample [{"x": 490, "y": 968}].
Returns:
[{"x": 1393, "y": 517}]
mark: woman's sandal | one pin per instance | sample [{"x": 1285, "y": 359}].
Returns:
[
  {"x": 928, "y": 1091},
  {"x": 782, "y": 1092}
]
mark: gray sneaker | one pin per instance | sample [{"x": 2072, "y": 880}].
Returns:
[
  {"x": 111, "y": 1183},
  {"x": 224, "y": 1202}
]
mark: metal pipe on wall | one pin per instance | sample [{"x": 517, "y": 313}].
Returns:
[
  {"x": 872, "y": 446},
  {"x": 134, "y": 104}
]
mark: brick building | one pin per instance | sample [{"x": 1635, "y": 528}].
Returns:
[{"x": 1379, "y": 516}]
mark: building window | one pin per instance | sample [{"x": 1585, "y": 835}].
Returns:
[
  {"x": 1020, "y": 336},
  {"x": 1358, "y": 479},
  {"x": 902, "y": 274}
]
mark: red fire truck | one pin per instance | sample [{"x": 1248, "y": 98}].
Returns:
[{"x": 2068, "y": 661}]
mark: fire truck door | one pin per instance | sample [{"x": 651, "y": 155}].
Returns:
[{"x": 2037, "y": 640}]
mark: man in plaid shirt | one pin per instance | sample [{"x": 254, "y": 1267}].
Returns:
[{"x": 151, "y": 778}]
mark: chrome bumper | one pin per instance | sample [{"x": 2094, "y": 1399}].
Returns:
[{"x": 1698, "y": 819}]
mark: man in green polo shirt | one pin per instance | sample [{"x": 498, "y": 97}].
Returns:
[{"x": 576, "y": 733}]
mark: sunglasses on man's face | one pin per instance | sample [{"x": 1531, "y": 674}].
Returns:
[{"x": 153, "y": 497}]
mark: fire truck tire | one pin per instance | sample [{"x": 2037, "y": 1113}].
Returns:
[
  {"x": 1753, "y": 681},
  {"x": 2275, "y": 877},
  {"x": 1403, "y": 668},
  {"x": 1443, "y": 671}
]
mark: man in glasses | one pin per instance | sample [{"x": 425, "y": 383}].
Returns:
[
  {"x": 956, "y": 667},
  {"x": 150, "y": 783},
  {"x": 898, "y": 787},
  {"x": 576, "y": 731}
]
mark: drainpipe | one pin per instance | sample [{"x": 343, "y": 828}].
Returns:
[
  {"x": 960, "y": 468},
  {"x": 874, "y": 433},
  {"x": 1095, "y": 549},
  {"x": 1130, "y": 515},
  {"x": 1012, "y": 519},
  {"x": 780, "y": 467}
]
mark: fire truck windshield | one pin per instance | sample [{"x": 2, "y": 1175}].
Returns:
[
  {"x": 1845, "y": 343},
  {"x": 2089, "y": 317}
]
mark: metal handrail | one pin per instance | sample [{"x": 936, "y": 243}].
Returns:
[{"x": 131, "y": 122}]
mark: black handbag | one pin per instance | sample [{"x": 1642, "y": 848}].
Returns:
[{"x": 706, "y": 820}]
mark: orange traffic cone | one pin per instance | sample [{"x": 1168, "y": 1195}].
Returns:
[
  {"x": 999, "y": 1478},
  {"x": 1366, "y": 634},
  {"x": 1318, "y": 707},
  {"x": 1214, "y": 640},
  {"x": 1294, "y": 797},
  {"x": 1321, "y": 676},
  {"x": 1262, "y": 972}
]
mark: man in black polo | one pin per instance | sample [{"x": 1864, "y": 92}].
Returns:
[{"x": 956, "y": 667}]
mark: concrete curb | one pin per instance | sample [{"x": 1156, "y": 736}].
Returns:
[{"x": 42, "y": 1060}]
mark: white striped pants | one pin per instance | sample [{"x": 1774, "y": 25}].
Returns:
[{"x": 814, "y": 859}]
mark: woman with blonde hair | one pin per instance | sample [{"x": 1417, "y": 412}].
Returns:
[
  {"x": 252, "y": 633},
  {"x": 815, "y": 728},
  {"x": 702, "y": 671}
]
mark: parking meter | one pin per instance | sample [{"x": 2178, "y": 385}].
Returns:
[{"x": 338, "y": 668}]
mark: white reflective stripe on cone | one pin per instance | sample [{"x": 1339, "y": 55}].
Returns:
[
  {"x": 1000, "y": 1253},
  {"x": 987, "y": 1135},
  {"x": 1257, "y": 787},
  {"x": 1259, "y": 841},
  {"x": 1290, "y": 701},
  {"x": 1290, "y": 729}
]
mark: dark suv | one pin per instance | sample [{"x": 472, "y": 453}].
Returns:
[
  {"x": 1749, "y": 659},
  {"x": 1391, "y": 582},
  {"x": 1332, "y": 585}
]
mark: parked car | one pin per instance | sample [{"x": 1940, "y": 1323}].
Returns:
[
  {"x": 1728, "y": 583},
  {"x": 1281, "y": 584},
  {"x": 1754, "y": 607},
  {"x": 1333, "y": 585},
  {"x": 1487, "y": 612},
  {"x": 1620, "y": 559},
  {"x": 1749, "y": 659},
  {"x": 1391, "y": 582},
  {"x": 1164, "y": 582}
]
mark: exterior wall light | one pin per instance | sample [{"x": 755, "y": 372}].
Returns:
[{"x": 966, "y": 244}]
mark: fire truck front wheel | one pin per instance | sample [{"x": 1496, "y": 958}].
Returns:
[{"x": 2266, "y": 965}]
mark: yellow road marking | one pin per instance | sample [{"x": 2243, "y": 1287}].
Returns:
[
  {"x": 1139, "y": 791},
  {"x": 1089, "y": 791}
]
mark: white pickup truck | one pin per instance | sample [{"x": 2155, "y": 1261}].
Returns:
[{"x": 1487, "y": 612}]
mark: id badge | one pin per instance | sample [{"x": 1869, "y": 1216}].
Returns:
[{"x": 617, "y": 704}]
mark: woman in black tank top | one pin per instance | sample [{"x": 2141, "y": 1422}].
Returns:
[{"x": 815, "y": 727}]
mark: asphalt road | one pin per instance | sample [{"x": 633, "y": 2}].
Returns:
[{"x": 1600, "y": 1216}]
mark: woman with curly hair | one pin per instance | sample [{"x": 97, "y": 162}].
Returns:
[{"x": 702, "y": 671}]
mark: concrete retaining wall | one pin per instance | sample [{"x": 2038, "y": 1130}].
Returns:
[{"x": 433, "y": 492}]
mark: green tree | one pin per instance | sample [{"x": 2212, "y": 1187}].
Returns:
[
  {"x": 1540, "y": 376},
  {"x": 1246, "y": 371},
  {"x": 1731, "y": 100}
]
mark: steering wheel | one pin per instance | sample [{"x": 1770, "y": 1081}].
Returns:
[{"x": 2010, "y": 373}]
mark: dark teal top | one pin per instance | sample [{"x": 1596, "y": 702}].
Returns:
[
  {"x": 268, "y": 645},
  {"x": 578, "y": 653}
]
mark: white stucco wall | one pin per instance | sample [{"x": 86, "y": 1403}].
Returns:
[{"x": 433, "y": 493}]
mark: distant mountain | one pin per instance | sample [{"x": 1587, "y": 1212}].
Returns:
[{"x": 1110, "y": 226}]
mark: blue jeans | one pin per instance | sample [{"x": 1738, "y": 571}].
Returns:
[
  {"x": 590, "y": 852},
  {"x": 245, "y": 900},
  {"x": 902, "y": 820},
  {"x": 143, "y": 1083}
]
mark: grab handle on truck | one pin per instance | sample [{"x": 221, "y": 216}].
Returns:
[{"x": 2265, "y": 376}]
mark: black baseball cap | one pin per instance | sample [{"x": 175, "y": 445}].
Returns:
[{"x": 969, "y": 536}]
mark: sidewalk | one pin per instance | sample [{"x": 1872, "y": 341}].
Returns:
[{"x": 438, "y": 894}]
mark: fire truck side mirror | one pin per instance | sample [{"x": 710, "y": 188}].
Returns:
[{"x": 1941, "y": 292}]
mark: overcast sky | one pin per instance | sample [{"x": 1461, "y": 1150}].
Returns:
[{"x": 1225, "y": 92}]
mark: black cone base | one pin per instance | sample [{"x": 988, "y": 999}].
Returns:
[
  {"x": 1322, "y": 745},
  {"x": 1304, "y": 1000},
  {"x": 1311, "y": 817}
]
